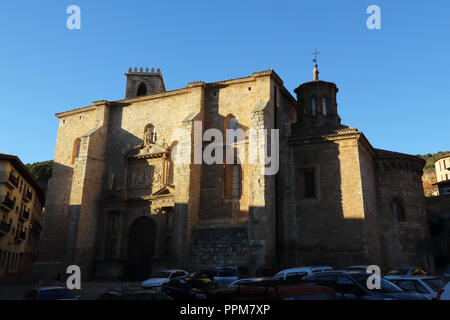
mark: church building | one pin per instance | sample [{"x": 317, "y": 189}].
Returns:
[{"x": 120, "y": 206}]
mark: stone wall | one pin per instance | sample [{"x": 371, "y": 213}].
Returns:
[{"x": 404, "y": 242}]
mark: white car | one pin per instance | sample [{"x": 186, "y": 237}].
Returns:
[
  {"x": 428, "y": 286},
  {"x": 299, "y": 273},
  {"x": 241, "y": 282},
  {"x": 444, "y": 294},
  {"x": 160, "y": 279}
]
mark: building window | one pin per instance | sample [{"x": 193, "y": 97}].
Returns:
[
  {"x": 232, "y": 126},
  {"x": 310, "y": 183},
  {"x": 313, "y": 106},
  {"x": 324, "y": 106},
  {"x": 76, "y": 149},
  {"x": 142, "y": 90},
  {"x": 398, "y": 210}
]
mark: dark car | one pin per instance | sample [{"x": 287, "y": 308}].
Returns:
[
  {"x": 275, "y": 290},
  {"x": 134, "y": 295},
  {"x": 190, "y": 288},
  {"x": 408, "y": 271},
  {"x": 203, "y": 274},
  {"x": 354, "y": 287},
  {"x": 51, "y": 293}
]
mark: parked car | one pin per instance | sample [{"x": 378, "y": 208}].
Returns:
[
  {"x": 447, "y": 273},
  {"x": 353, "y": 286},
  {"x": 357, "y": 269},
  {"x": 444, "y": 294},
  {"x": 190, "y": 288},
  {"x": 134, "y": 295},
  {"x": 408, "y": 271},
  {"x": 51, "y": 293},
  {"x": 160, "y": 279},
  {"x": 299, "y": 273},
  {"x": 429, "y": 286},
  {"x": 202, "y": 274},
  {"x": 275, "y": 290},
  {"x": 225, "y": 275},
  {"x": 244, "y": 281}
]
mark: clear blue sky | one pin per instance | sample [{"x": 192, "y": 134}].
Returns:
[{"x": 394, "y": 83}]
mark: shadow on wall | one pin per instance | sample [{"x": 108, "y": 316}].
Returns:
[{"x": 325, "y": 236}]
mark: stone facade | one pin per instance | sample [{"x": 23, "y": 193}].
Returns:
[{"x": 119, "y": 205}]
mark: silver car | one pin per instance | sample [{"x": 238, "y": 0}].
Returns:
[{"x": 429, "y": 286}]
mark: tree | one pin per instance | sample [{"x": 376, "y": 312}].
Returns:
[{"x": 42, "y": 171}]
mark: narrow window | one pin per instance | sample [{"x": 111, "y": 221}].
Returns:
[
  {"x": 398, "y": 210},
  {"x": 142, "y": 90},
  {"x": 233, "y": 125},
  {"x": 76, "y": 149},
  {"x": 310, "y": 184},
  {"x": 313, "y": 106},
  {"x": 324, "y": 106}
]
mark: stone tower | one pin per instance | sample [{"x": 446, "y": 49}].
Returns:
[
  {"x": 141, "y": 83},
  {"x": 316, "y": 102}
]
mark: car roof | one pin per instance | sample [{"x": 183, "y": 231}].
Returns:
[
  {"x": 411, "y": 277},
  {"x": 171, "y": 270},
  {"x": 305, "y": 268},
  {"x": 51, "y": 288}
]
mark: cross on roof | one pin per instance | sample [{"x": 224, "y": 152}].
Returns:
[{"x": 315, "y": 53}]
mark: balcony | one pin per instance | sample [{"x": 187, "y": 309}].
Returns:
[
  {"x": 4, "y": 228},
  {"x": 24, "y": 215},
  {"x": 21, "y": 235},
  {"x": 27, "y": 196},
  {"x": 6, "y": 204},
  {"x": 7, "y": 178}
]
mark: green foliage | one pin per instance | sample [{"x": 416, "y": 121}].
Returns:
[
  {"x": 431, "y": 158},
  {"x": 42, "y": 171}
]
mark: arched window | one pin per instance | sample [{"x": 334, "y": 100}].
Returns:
[
  {"x": 324, "y": 106},
  {"x": 76, "y": 149},
  {"x": 313, "y": 106},
  {"x": 142, "y": 90},
  {"x": 232, "y": 126},
  {"x": 398, "y": 210}
]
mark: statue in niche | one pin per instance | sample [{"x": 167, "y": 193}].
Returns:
[{"x": 149, "y": 136}]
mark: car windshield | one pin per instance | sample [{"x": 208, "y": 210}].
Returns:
[
  {"x": 200, "y": 274},
  {"x": 200, "y": 283},
  {"x": 436, "y": 284},
  {"x": 398, "y": 272},
  {"x": 385, "y": 286},
  {"x": 162, "y": 274},
  {"x": 55, "y": 294}
]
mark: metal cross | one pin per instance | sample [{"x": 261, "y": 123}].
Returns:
[{"x": 315, "y": 53}]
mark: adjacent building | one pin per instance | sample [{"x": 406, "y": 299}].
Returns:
[
  {"x": 119, "y": 205},
  {"x": 21, "y": 207},
  {"x": 438, "y": 208}
]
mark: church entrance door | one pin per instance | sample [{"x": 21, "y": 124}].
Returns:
[{"x": 141, "y": 248}]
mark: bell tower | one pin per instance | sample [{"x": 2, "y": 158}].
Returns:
[
  {"x": 141, "y": 83},
  {"x": 316, "y": 102}
]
